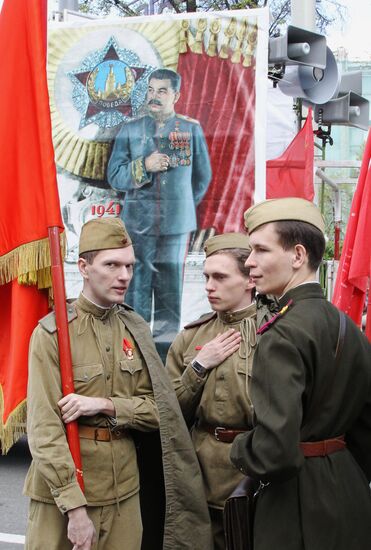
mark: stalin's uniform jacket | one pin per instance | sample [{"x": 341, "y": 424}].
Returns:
[
  {"x": 220, "y": 399},
  {"x": 161, "y": 203},
  {"x": 143, "y": 398},
  {"x": 319, "y": 502}
]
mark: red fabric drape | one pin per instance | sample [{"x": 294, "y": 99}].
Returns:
[
  {"x": 355, "y": 262},
  {"x": 221, "y": 95},
  {"x": 291, "y": 174},
  {"x": 29, "y": 195}
]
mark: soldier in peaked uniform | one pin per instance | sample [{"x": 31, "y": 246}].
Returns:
[
  {"x": 123, "y": 396},
  {"x": 210, "y": 363},
  {"x": 311, "y": 389},
  {"x": 161, "y": 162}
]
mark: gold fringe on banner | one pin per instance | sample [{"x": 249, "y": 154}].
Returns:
[
  {"x": 30, "y": 263},
  {"x": 239, "y": 44},
  {"x": 197, "y": 47},
  {"x": 215, "y": 27},
  {"x": 14, "y": 427}
]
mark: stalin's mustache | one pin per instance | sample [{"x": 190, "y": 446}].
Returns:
[{"x": 154, "y": 102}]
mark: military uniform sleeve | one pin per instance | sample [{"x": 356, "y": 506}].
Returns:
[
  {"x": 124, "y": 172},
  {"x": 270, "y": 451},
  {"x": 201, "y": 168},
  {"x": 140, "y": 411},
  {"x": 187, "y": 385},
  {"x": 45, "y": 428}
]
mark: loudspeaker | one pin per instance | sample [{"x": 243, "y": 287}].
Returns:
[
  {"x": 348, "y": 108},
  {"x": 298, "y": 47},
  {"x": 312, "y": 84}
]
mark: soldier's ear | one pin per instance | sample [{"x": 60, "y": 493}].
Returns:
[
  {"x": 82, "y": 265},
  {"x": 176, "y": 97}
]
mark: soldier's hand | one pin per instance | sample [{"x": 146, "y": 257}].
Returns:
[
  {"x": 157, "y": 162},
  {"x": 80, "y": 530},
  {"x": 219, "y": 348},
  {"x": 73, "y": 406}
]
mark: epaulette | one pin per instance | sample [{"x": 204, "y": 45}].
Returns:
[
  {"x": 49, "y": 324},
  {"x": 271, "y": 321},
  {"x": 126, "y": 306},
  {"x": 188, "y": 119},
  {"x": 202, "y": 320}
]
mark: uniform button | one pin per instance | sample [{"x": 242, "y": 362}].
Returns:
[
  {"x": 108, "y": 348},
  {"x": 55, "y": 493},
  {"x": 108, "y": 376},
  {"x": 222, "y": 377},
  {"x": 63, "y": 508}
]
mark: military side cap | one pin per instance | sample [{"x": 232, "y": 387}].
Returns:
[
  {"x": 275, "y": 210},
  {"x": 225, "y": 241},
  {"x": 103, "y": 234}
]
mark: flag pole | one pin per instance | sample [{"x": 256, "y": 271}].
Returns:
[{"x": 65, "y": 361}]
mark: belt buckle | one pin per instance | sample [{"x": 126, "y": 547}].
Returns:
[{"x": 217, "y": 430}]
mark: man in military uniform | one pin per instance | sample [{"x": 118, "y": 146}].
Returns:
[
  {"x": 210, "y": 363},
  {"x": 123, "y": 396},
  {"x": 311, "y": 389},
  {"x": 161, "y": 162}
]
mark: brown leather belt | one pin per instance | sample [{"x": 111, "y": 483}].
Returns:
[
  {"x": 225, "y": 435},
  {"x": 323, "y": 448},
  {"x": 101, "y": 434}
]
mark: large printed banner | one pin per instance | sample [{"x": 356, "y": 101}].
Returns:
[{"x": 160, "y": 120}]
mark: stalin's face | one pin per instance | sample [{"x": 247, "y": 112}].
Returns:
[
  {"x": 107, "y": 278},
  {"x": 161, "y": 97}
]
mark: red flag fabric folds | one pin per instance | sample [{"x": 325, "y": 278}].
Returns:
[
  {"x": 354, "y": 271},
  {"x": 291, "y": 174},
  {"x": 224, "y": 104},
  {"x": 29, "y": 194}
]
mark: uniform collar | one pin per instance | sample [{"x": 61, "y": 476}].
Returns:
[
  {"x": 233, "y": 317},
  {"x": 302, "y": 292},
  {"x": 87, "y": 306},
  {"x": 163, "y": 121}
]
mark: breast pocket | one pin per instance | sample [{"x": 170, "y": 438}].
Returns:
[
  {"x": 127, "y": 379},
  {"x": 88, "y": 379}
]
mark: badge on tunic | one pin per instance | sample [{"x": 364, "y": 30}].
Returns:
[{"x": 128, "y": 349}]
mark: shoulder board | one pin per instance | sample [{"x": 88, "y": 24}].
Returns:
[
  {"x": 202, "y": 320},
  {"x": 126, "y": 306},
  {"x": 49, "y": 324},
  {"x": 275, "y": 318},
  {"x": 188, "y": 119}
]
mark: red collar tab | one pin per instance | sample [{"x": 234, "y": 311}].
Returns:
[{"x": 268, "y": 324}]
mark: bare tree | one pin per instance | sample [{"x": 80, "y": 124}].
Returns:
[{"x": 327, "y": 11}]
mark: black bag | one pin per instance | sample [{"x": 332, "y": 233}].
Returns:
[{"x": 239, "y": 515}]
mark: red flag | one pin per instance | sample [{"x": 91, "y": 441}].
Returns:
[
  {"x": 291, "y": 174},
  {"x": 354, "y": 270},
  {"x": 29, "y": 194},
  {"x": 225, "y": 106}
]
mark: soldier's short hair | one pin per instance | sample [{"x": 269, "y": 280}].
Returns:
[
  {"x": 89, "y": 256},
  {"x": 167, "y": 74},
  {"x": 292, "y": 232}
]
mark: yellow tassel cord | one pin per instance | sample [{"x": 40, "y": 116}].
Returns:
[
  {"x": 29, "y": 263},
  {"x": 14, "y": 427},
  {"x": 237, "y": 44}
]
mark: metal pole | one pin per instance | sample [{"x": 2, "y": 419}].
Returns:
[
  {"x": 65, "y": 361},
  {"x": 303, "y": 14}
]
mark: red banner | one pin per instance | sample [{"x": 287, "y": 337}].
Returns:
[
  {"x": 354, "y": 270},
  {"x": 291, "y": 174},
  {"x": 29, "y": 194}
]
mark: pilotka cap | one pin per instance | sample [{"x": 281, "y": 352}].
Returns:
[
  {"x": 225, "y": 241},
  {"x": 275, "y": 210},
  {"x": 103, "y": 234}
]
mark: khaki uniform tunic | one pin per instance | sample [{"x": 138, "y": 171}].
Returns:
[
  {"x": 100, "y": 368},
  {"x": 219, "y": 399}
]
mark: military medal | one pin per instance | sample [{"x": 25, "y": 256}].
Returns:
[{"x": 128, "y": 349}]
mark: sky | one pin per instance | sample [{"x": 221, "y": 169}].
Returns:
[{"x": 355, "y": 34}]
